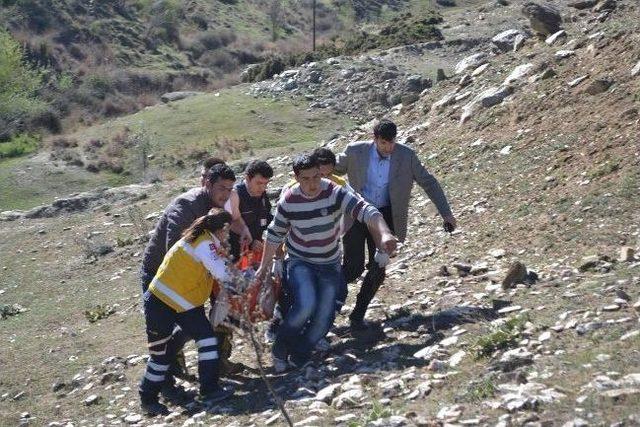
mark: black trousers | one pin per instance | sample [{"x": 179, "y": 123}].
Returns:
[
  {"x": 354, "y": 243},
  {"x": 175, "y": 345}
]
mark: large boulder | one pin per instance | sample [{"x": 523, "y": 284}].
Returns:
[
  {"x": 177, "y": 96},
  {"x": 506, "y": 39},
  {"x": 544, "y": 18}
]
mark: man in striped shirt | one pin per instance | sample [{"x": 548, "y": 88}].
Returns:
[{"x": 308, "y": 217}]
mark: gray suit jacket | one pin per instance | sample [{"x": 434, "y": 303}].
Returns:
[{"x": 405, "y": 169}]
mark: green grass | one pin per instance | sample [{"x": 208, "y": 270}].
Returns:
[
  {"x": 377, "y": 412},
  {"x": 232, "y": 125},
  {"x": 19, "y": 146},
  {"x": 27, "y": 182},
  {"x": 212, "y": 122}
]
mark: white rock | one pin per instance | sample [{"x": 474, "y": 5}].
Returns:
[
  {"x": 328, "y": 393},
  {"x": 506, "y": 39},
  {"x": 577, "y": 81},
  {"x": 545, "y": 336},
  {"x": 450, "y": 413},
  {"x": 94, "y": 398},
  {"x": 448, "y": 342},
  {"x": 563, "y": 54},
  {"x": 427, "y": 353},
  {"x": 272, "y": 419},
  {"x": 312, "y": 420},
  {"x": 635, "y": 71},
  {"x": 472, "y": 61},
  {"x": 497, "y": 253},
  {"x": 345, "y": 418},
  {"x": 456, "y": 358},
  {"x": 348, "y": 399},
  {"x": 519, "y": 42},
  {"x": 553, "y": 38},
  {"x": 505, "y": 150},
  {"x": 488, "y": 98},
  {"x": 133, "y": 418},
  {"x": 629, "y": 335},
  {"x": 479, "y": 70},
  {"x": 519, "y": 73},
  {"x": 510, "y": 309}
]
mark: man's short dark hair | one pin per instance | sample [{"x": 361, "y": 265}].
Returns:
[
  {"x": 324, "y": 156},
  {"x": 385, "y": 129},
  {"x": 220, "y": 171},
  {"x": 259, "y": 167},
  {"x": 304, "y": 162},
  {"x": 209, "y": 163}
]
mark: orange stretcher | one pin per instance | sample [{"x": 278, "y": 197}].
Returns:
[{"x": 257, "y": 301}]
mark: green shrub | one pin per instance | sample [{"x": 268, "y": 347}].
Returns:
[
  {"x": 18, "y": 146},
  {"x": 502, "y": 337},
  {"x": 19, "y": 83}
]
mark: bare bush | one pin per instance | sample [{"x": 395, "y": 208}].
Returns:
[{"x": 221, "y": 60}]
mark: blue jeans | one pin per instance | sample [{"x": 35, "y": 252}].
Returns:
[{"x": 313, "y": 289}]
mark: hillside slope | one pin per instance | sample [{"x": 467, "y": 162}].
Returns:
[{"x": 106, "y": 59}]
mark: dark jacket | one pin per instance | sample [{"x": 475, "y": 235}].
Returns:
[{"x": 177, "y": 217}]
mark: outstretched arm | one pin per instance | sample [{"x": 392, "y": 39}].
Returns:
[{"x": 434, "y": 191}]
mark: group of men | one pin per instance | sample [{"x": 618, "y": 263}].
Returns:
[{"x": 324, "y": 224}]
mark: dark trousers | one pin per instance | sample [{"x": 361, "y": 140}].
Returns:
[
  {"x": 354, "y": 243},
  {"x": 161, "y": 320},
  {"x": 178, "y": 337}
]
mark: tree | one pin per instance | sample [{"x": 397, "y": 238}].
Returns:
[
  {"x": 275, "y": 16},
  {"x": 19, "y": 84}
]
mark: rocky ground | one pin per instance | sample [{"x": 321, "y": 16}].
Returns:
[{"x": 526, "y": 315}]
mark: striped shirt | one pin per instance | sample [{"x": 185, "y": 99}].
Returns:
[{"x": 311, "y": 226}]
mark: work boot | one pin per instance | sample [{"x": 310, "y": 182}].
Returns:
[
  {"x": 151, "y": 407},
  {"x": 217, "y": 395},
  {"x": 176, "y": 394}
]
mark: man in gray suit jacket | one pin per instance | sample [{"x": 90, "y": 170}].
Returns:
[{"x": 383, "y": 173}]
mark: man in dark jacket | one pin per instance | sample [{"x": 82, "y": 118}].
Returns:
[
  {"x": 177, "y": 217},
  {"x": 251, "y": 207}
]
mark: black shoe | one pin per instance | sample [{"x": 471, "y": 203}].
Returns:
[
  {"x": 176, "y": 394},
  {"x": 358, "y": 325},
  {"x": 218, "y": 395},
  {"x": 153, "y": 408},
  {"x": 366, "y": 331}
]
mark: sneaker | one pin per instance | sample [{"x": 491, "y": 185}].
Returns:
[
  {"x": 323, "y": 345},
  {"x": 176, "y": 394},
  {"x": 153, "y": 408},
  {"x": 217, "y": 395},
  {"x": 279, "y": 365}
]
